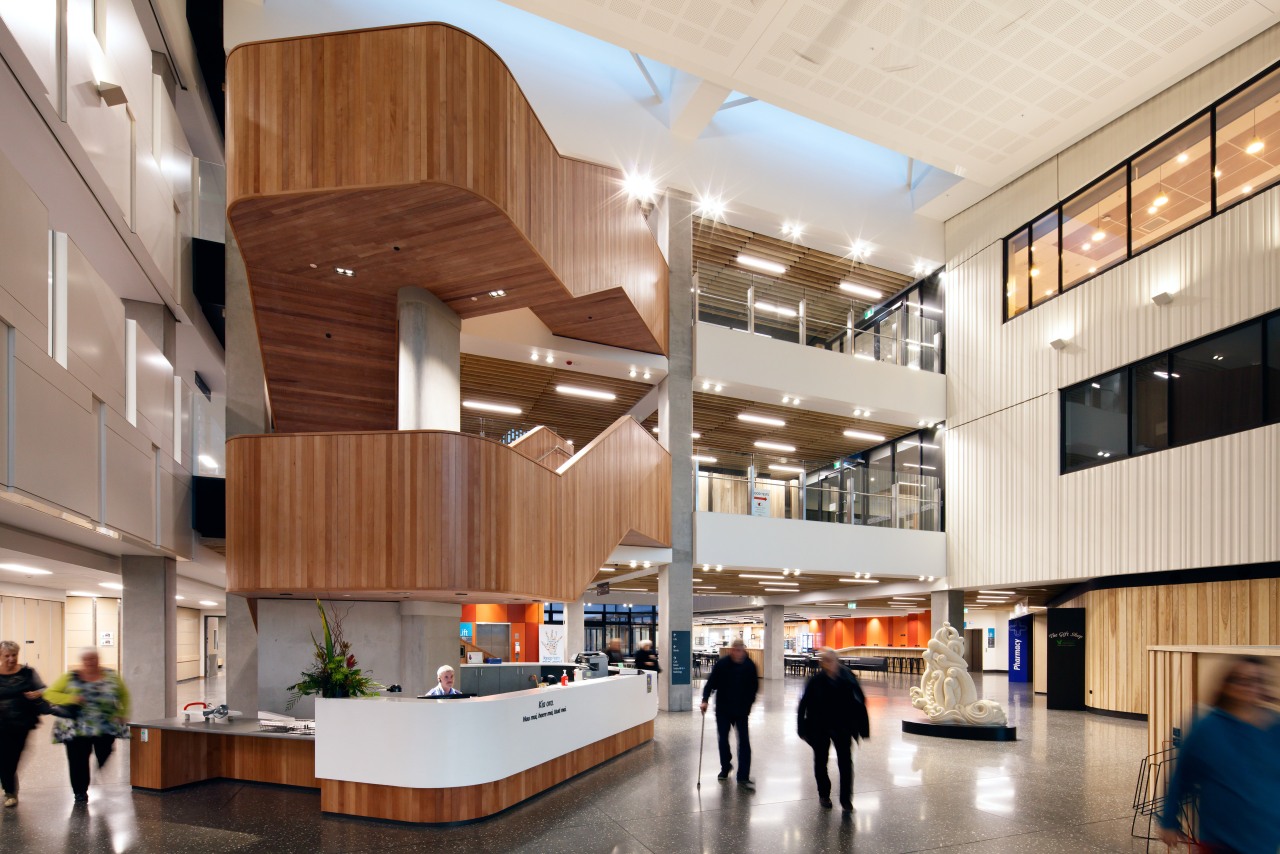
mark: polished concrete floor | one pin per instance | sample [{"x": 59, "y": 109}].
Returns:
[{"x": 1066, "y": 786}]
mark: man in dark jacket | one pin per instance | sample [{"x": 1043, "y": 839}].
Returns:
[
  {"x": 735, "y": 680},
  {"x": 833, "y": 710}
]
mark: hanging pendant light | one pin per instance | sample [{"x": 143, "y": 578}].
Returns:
[{"x": 1256, "y": 144}]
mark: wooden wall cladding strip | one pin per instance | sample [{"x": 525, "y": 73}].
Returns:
[
  {"x": 431, "y": 514},
  {"x": 170, "y": 758},
  {"x": 465, "y": 803},
  {"x": 409, "y": 155},
  {"x": 1121, "y": 624}
]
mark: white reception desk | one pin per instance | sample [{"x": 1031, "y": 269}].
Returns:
[{"x": 416, "y": 760}]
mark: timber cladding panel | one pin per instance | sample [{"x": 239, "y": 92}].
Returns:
[
  {"x": 1121, "y": 624},
  {"x": 431, "y": 514},
  {"x": 410, "y": 156}
]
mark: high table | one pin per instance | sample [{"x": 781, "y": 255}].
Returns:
[{"x": 413, "y": 760}]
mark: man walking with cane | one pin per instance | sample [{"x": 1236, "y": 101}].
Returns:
[
  {"x": 833, "y": 710},
  {"x": 735, "y": 680}
]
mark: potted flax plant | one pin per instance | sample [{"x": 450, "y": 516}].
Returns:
[{"x": 334, "y": 673}]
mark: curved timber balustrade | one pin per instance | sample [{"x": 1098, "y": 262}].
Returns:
[
  {"x": 434, "y": 514},
  {"x": 409, "y": 156}
]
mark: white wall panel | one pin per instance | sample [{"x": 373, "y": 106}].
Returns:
[
  {"x": 102, "y": 130},
  {"x": 130, "y": 481},
  {"x": 175, "y": 507},
  {"x": 34, "y": 26},
  {"x": 24, "y": 246},
  {"x": 155, "y": 393},
  {"x": 54, "y": 435},
  {"x": 95, "y": 330}
]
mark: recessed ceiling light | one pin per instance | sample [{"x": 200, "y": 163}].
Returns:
[
  {"x": 860, "y": 249},
  {"x": 491, "y": 407},
  {"x": 179, "y": 598},
  {"x": 1099, "y": 236},
  {"x": 780, "y": 310},
  {"x": 647, "y": 375},
  {"x": 344, "y": 271},
  {"x": 534, "y": 356},
  {"x": 632, "y": 373},
  {"x": 550, "y": 358},
  {"x": 1160, "y": 201},
  {"x": 594, "y": 394},
  {"x": 700, "y": 458},
  {"x": 999, "y": 592},
  {"x": 1182, "y": 158},
  {"x": 80, "y": 593},
  {"x": 1255, "y": 146},
  {"x": 1093, "y": 269},
  {"x": 719, "y": 387},
  {"x": 780, "y": 590},
  {"x": 862, "y": 434},
  {"x": 859, "y": 581},
  {"x": 861, "y": 290},
  {"x": 1085, "y": 247},
  {"x": 1247, "y": 188},
  {"x": 776, "y": 446},
  {"x": 793, "y": 230},
  {"x": 695, "y": 435},
  {"x": 25, "y": 570},
  {"x": 111, "y": 585},
  {"x": 761, "y": 419},
  {"x": 208, "y": 604},
  {"x": 496, "y": 294},
  {"x": 761, "y": 264},
  {"x": 711, "y": 207},
  {"x": 793, "y": 469}
]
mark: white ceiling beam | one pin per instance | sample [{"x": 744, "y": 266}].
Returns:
[{"x": 694, "y": 103}]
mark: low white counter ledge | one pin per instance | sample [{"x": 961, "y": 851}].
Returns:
[{"x": 423, "y": 760}]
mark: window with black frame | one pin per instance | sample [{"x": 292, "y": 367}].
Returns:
[
  {"x": 1221, "y": 384},
  {"x": 1095, "y": 416}
]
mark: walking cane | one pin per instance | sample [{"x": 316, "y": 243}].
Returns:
[{"x": 701, "y": 742}]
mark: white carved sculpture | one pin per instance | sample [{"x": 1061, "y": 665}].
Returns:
[{"x": 946, "y": 692}]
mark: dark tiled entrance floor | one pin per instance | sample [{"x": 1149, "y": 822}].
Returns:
[{"x": 1065, "y": 787}]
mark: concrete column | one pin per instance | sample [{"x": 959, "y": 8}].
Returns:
[
  {"x": 428, "y": 639},
  {"x": 429, "y": 376},
  {"x": 241, "y": 656},
  {"x": 575, "y": 629},
  {"x": 947, "y": 606},
  {"x": 149, "y": 629},
  {"x": 774, "y": 641},
  {"x": 675, "y": 423}
]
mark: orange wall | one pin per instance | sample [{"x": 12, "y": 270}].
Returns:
[
  {"x": 524, "y": 620},
  {"x": 909, "y": 630}
]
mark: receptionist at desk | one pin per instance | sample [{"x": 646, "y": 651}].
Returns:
[{"x": 444, "y": 686}]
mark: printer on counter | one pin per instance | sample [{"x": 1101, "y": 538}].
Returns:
[{"x": 593, "y": 664}]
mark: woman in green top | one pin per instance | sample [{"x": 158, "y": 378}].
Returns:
[{"x": 102, "y": 708}]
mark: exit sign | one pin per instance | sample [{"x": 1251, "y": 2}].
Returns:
[{"x": 853, "y": 606}]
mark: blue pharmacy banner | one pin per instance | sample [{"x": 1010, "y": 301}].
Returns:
[
  {"x": 464, "y": 631},
  {"x": 680, "y": 658},
  {"x": 1020, "y": 649}
]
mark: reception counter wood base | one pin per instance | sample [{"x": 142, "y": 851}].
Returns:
[
  {"x": 466, "y": 803},
  {"x": 177, "y": 757}
]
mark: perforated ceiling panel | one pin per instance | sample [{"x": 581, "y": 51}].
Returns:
[{"x": 981, "y": 87}]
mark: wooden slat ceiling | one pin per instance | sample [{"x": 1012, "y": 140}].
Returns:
[
  {"x": 816, "y": 436},
  {"x": 531, "y": 386},
  {"x": 719, "y": 244}
]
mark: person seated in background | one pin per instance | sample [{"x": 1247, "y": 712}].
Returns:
[
  {"x": 444, "y": 683},
  {"x": 646, "y": 658},
  {"x": 614, "y": 651}
]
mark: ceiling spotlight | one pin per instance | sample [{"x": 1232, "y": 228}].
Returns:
[
  {"x": 632, "y": 373},
  {"x": 719, "y": 567},
  {"x": 647, "y": 374},
  {"x": 550, "y": 358},
  {"x": 343, "y": 271},
  {"x": 861, "y": 290},
  {"x": 1099, "y": 236},
  {"x": 761, "y": 419},
  {"x": 633, "y": 564},
  {"x": 695, "y": 435},
  {"x": 1150, "y": 210},
  {"x": 1085, "y": 247},
  {"x": 496, "y": 294},
  {"x": 706, "y": 385},
  {"x": 761, "y": 264},
  {"x": 534, "y": 355},
  {"x": 711, "y": 207},
  {"x": 719, "y": 387},
  {"x": 860, "y": 249},
  {"x": 1182, "y": 158},
  {"x": 1160, "y": 201},
  {"x": 640, "y": 186},
  {"x": 793, "y": 230}
]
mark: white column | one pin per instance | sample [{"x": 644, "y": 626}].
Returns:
[
  {"x": 429, "y": 369},
  {"x": 575, "y": 630},
  {"x": 774, "y": 637},
  {"x": 149, "y": 629}
]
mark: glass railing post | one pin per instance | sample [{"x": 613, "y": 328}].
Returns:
[
  {"x": 751, "y": 308},
  {"x": 751, "y": 487},
  {"x": 848, "y": 333},
  {"x": 803, "y": 338}
]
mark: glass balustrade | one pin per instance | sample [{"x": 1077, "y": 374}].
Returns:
[
  {"x": 786, "y": 488},
  {"x": 759, "y": 305}
]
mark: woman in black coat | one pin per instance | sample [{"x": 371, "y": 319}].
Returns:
[
  {"x": 833, "y": 710},
  {"x": 20, "y": 692}
]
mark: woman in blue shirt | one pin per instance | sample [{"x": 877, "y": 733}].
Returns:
[{"x": 1230, "y": 763}]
